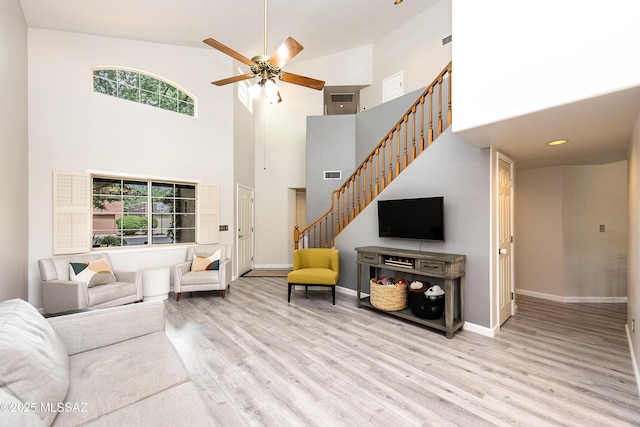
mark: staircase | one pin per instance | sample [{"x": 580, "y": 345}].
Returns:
[{"x": 404, "y": 142}]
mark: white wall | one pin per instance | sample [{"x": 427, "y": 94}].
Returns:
[
  {"x": 516, "y": 57},
  {"x": 344, "y": 68},
  {"x": 13, "y": 154},
  {"x": 280, "y": 150},
  {"x": 415, "y": 49},
  {"x": 73, "y": 129},
  {"x": 560, "y": 251},
  {"x": 633, "y": 256},
  {"x": 280, "y": 165},
  {"x": 243, "y": 166}
]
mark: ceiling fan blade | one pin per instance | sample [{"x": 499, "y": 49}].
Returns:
[
  {"x": 232, "y": 79},
  {"x": 287, "y": 50},
  {"x": 297, "y": 79},
  {"x": 224, "y": 49}
]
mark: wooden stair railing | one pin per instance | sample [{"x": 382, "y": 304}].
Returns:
[{"x": 404, "y": 142}]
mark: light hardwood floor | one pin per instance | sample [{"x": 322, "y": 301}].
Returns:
[{"x": 261, "y": 361}]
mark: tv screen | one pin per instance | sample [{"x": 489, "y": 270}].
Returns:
[{"x": 421, "y": 218}]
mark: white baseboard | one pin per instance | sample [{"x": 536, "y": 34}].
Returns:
[
  {"x": 634, "y": 361},
  {"x": 339, "y": 290},
  {"x": 481, "y": 330},
  {"x": 272, "y": 266},
  {"x": 349, "y": 291},
  {"x": 558, "y": 298}
]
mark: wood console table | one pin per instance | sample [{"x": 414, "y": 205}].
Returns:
[{"x": 449, "y": 267}]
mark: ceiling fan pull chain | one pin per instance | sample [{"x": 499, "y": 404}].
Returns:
[{"x": 265, "y": 27}]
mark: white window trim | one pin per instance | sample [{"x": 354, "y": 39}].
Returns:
[
  {"x": 71, "y": 213},
  {"x": 72, "y": 230}
]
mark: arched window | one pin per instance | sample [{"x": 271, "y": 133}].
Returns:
[{"x": 143, "y": 88}]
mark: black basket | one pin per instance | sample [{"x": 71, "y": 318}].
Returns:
[{"x": 425, "y": 306}]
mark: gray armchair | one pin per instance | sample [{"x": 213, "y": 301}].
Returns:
[
  {"x": 60, "y": 293},
  {"x": 187, "y": 280}
]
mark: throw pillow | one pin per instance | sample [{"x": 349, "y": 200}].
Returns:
[
  {"x": 35, "y": 365},
  {"x": 202, "y": 263},
  {"x": 97, "y": 272},
  {"x": 11, "y": 415}
]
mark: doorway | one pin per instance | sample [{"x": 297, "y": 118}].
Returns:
[
  {"x": 244, "y": 238},
  {"x": 504, "y": 209}
]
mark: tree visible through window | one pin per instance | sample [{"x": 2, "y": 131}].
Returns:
[
  {"x": 142, "y": 88},
  {"x": 128, "y": 212}
]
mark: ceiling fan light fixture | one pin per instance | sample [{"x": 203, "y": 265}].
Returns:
[
  {"x": 255, "y": 90},
  {"x": 272, "y": 92},
  {"x": 283, "y": 52},
  {"x": 267, "y": 68}
]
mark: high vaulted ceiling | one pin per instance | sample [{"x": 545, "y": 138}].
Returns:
[
  {"x": 322, "y": 27},
  {"x": 599, "y": 129}
]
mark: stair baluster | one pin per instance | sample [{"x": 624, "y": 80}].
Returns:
[{"x": 365, "y": 184}]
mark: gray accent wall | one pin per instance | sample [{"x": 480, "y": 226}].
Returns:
[
  {"x": 330, "y": 147},
  {"x": 342, "y": 142},
  {"x": 375, "y": 123},
  {"x": 14, "y": 158},
  {"x": 459, "y": 171}
]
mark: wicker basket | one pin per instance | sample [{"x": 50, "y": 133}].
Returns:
[{"x": 388, "y": 298}]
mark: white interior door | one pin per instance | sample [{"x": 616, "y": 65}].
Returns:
[
  {"x": 505, "y": 238},
  {"x": 245, "y": 230}
]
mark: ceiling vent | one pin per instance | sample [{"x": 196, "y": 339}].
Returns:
[
  {"x": 342, "y": 98},
  {"x": 332, "y": 174}
]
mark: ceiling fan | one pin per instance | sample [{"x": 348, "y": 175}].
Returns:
[{"x": 267, "y": 68}]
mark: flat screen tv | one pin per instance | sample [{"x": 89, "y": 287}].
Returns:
[{"x": 421, "y": 218}]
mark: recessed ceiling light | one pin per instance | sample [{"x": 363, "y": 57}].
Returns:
[
  {"x": 557, "y": 142},
  {"x": 397, "y": 2}
]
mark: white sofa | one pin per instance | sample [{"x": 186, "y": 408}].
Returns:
[
  {"x": 61, "y": 294},
  {"x": 110, "y": 367}
]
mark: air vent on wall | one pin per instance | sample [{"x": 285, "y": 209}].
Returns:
[
  {"x": 332, "y": 174},
  {"x": 446, "y": 40},
  {"x": 342, "y": 98}
]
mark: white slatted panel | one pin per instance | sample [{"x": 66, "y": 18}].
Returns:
[
  {"x": 208, "y": 214},
  {"x": 71, "y": 213}
]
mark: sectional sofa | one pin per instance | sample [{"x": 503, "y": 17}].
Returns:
[{"x": 108, "y": 367}]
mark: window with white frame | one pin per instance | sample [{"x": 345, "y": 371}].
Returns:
[
  {"x": 244, "y": 94},
  {"x": 133, "y": 212},
  {"x": 101, "y": 211},
  {"x": 142, "y": 88}
]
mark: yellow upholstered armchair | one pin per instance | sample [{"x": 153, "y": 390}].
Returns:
[{"x": 315, "y": 267}]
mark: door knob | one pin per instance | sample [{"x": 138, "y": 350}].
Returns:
[{"x": 502, "y": 251}]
